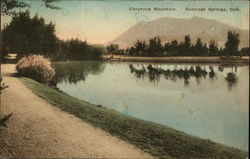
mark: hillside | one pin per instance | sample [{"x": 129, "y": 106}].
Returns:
[{"x": 173, "y": 28}]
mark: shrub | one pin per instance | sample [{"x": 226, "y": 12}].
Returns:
[
  {"x": 36, "y": 67},
  {"x": 97, "y": 51}
]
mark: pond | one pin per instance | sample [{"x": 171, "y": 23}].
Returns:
[{"x": 205, "y": 100}]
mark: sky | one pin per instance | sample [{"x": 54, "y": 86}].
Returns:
[{"x": 100, "y": 22}]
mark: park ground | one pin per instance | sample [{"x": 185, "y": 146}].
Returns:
[
  {"x": 47, "y": 123},
  {"x": 39, "y": 129}
]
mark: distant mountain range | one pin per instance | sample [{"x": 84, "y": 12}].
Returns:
[{"x": 172, "y": 28}]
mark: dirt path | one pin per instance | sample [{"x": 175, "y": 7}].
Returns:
[{"x": 38, "y": 129}]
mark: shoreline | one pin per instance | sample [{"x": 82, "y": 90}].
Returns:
[
  {"x": 158, "y": 140},
  {"x": 178, "y": 59},
  {"x": 39, "y": 129}
]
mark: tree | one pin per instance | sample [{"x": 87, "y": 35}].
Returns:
[
  {"x": 187, "y": 45},
  {"x": 13, "y": 7},
  {"x": 96, "y": 51},
  {"x": 155, "y": 46},
  {"x": 140, "y": 47},
  {"x": 76, "y": 49},
  {"x": 25, "y": 35},
  {"x": 113, "y": 49},
  {"x": 167, "y": 47},
  {"x": 173, "y": 48},
  {"x": 232, "y": 44},
  {"x": 205, "y": 51},
  {"x": 198, "y": 48},
  {"x": 213, "y": 48},
  {"x": 245, "y": 51},
  {"x": 9, "y": 7}
]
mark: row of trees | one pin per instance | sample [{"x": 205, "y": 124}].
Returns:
[
  {"x": 76, "y": 49},
  {"x": 154, "y": 47},
  {"x": 32, "y": 35}
]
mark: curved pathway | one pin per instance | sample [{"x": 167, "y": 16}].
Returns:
[{"x": 38, "y": 129}]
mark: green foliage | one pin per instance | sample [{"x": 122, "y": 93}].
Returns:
[
  {"x": 154, "y": 47},
  {"x": 96, "y": 51},
  {"x": 36, "y": 67},
  {"x": 213, "y": 48},
  {"x": 26, "y": 35},
  {"x": 113, "y": 49},
  {"x": 172, "y": 48},
  {"x": 245, "y": 51},
  {"x": 49, "y": 4},
  {"x": 8, "y": 6},
  {"x": 13, "y": 7},
  {"x": 140, "y": 47},
  {"x": 76, "y": 49},
  {"x": 233, "y": 41},
  {"x": 200, "y": 49},
  {"x": 187, "y": 46},
  {"x": 156, "y": 139},
  {"x": 73, "y": 49}
]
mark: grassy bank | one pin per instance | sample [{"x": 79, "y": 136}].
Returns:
[
  {"x": 158, "y": 140},
  {"x": 181, "y": 59}
]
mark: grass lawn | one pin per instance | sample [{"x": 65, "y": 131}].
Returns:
[{"x": 155, "y": 139}]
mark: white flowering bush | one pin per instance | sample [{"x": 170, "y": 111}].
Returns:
[{"x": 36, "y": 67}]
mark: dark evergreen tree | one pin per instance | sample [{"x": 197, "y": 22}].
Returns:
[
  {"x": 173, "y": 50},
  {"x": 198, "y": 48},
  {"x": 232, "y": 44},
  {"x": 155, "y": 47},
  {"x": 140, "y": 47},
  {"x": 186, "y": 46},
  {"x": 213, "y": 48}
]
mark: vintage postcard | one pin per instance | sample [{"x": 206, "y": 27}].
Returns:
[{"x": 124, "y": 79}]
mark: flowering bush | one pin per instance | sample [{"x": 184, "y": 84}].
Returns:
[{"x": 36, "y": 67}]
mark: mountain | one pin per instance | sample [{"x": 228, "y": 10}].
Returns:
[{"x": 172, "y": 28}]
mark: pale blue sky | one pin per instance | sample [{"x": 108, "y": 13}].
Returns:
[{"x": 102, "y": 21}]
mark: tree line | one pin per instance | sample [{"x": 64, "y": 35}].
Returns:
[
  {"x": 32, "y": 35},
  {"x": 155, "y": 47}
]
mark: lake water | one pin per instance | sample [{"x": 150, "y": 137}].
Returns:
[{"x": 206, "y": 100}]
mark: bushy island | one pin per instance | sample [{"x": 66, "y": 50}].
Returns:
[{"x": 155, "y": 139}]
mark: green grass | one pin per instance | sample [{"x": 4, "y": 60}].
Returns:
[{"x": 155, "y": 139}]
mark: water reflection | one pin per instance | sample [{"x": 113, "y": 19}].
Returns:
[
  {"x": 231, "y": 79},
  {"x": 216, "y": 108},
  {"x": 154, "y": 73},
  {"x": 73, "y": 72}
]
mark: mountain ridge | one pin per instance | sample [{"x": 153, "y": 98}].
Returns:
[{"x": 168, "y": 28}]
